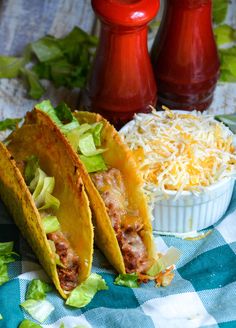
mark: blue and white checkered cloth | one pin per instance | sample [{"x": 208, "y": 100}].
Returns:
[{"x": 202, "y": 294}]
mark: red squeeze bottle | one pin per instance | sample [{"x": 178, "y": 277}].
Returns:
[
  {"x": 184, "y": 55},
  {"x": 122, "y": 81}
]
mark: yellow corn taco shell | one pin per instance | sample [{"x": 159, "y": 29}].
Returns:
[
  {"x": 120, "y": 157},
  {"x": 74, "y": 215}
]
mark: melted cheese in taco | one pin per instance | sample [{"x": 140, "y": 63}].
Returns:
[{"x": 125, "y": 221}]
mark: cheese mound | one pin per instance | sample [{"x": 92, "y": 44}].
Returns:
[{"x": 178, "y": 151}]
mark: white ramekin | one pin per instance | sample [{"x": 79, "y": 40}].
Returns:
[{"x": 190, "y": 212}]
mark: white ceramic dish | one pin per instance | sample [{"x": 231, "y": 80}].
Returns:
[{"x": 190, "y": 212}]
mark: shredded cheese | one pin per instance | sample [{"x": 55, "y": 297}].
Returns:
[{"x": 179, "y": 151}]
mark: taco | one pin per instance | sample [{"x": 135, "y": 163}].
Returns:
[
  {"x": 121, "y": 217},
  {"x": 41, "y": 185}
]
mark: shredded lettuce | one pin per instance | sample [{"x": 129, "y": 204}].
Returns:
[
  {"x": 6, "y": 256},
  {"x": 84, "y": 293},
  {"x": 29, "y": 324},
  {"x": 50, "y": 202},
  {"x": 37, "y": 289},
  {"x": 39, "y": 310},
  {"x": 36, "y": 184},
  {"x": 224, "y": 34},
  {"x": 6, "y": 248},
  {"x": 69, "y": 127},
  {"x": 96, "y": 130},
  {"x": 41, "y": 185},
  {"x": 73, "y": 138},
  {"x": 9, "y": 124},
  {"x": 10, "y": 66},
  {"x": 35, "y": 88},
  {"x": 63, "y": 112},
  {"x": 83, "y": 128},
  {"x": 171, "y": 257},
  {"x": 83, "y": 138},
  {"x": 220, "y": 8},
  {"x": 3, "y": 274},
  {"x": 87, "y": 146},
  {"x": 127, "y": 280},
  {"x": 32, "y": 164},
  {"x": 93, "y": 163},
  {"x": 46, "y": 107},
  {"x": 46, "y": 49},
  {"x": 47, "y": 188},
  {"x": 50, "y": 224}
]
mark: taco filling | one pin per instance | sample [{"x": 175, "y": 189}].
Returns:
[
  {"x": 125, "y": 221},
  {"x": 69, "y": 268},
  {"x": 41, "y": 187}
]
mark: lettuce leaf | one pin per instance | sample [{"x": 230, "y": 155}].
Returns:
[
  {"x": 50, "y": 224},
  {"x": 46, "y": 49},
  {"x": 32, "y": 164},
  {"x": 6, "y": 247},
  {"x": 3, "y": 274},
  {"x": 44, "y": 186},
  {"x": 9, "y": 124},
  {"x": 93, "y": 163},
  {"x": 69, "y": 127},
  {"x": 86, "y": 145},
  {"x": 127, "y": 280},
  {"x": 35, "y": 88},
  {"x": 63, "y": 112},
  {"x": 224, "y": 34},
  {"x": 10, "y": 66},
  {"x": 220, "y": 8},
  {"x": 50, "y": 202},
  {"x": 46, "y": 107},
  {"x": 96, "y": 131},
  {"x": 83, "y": 139},
  {"x": 84, "y": 293},
  {"x": 36, "y": 184},
  {"x": 41, "y": 188},
  {"x": 37, "y": 289},
  {"x": 48, "y": 186},
  {"x": 28, "y": 324},
  {"x": 38, "y": 309},
  {"x": 228, "y": 64},
  {"x": 6, "y": 256}
]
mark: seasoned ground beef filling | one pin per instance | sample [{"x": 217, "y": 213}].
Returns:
[
  {"x": 68, "y": 275},
  {"x": 125, "y": 221}
]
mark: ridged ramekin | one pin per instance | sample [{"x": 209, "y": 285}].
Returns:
[{"x": 190, "y": 212}]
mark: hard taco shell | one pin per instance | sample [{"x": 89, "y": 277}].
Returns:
[
  {"x": 74, "y": 215},
  {"x": 117, "y": 156}
]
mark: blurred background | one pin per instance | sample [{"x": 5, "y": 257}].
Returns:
[{"x": 25, "y": 21}]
